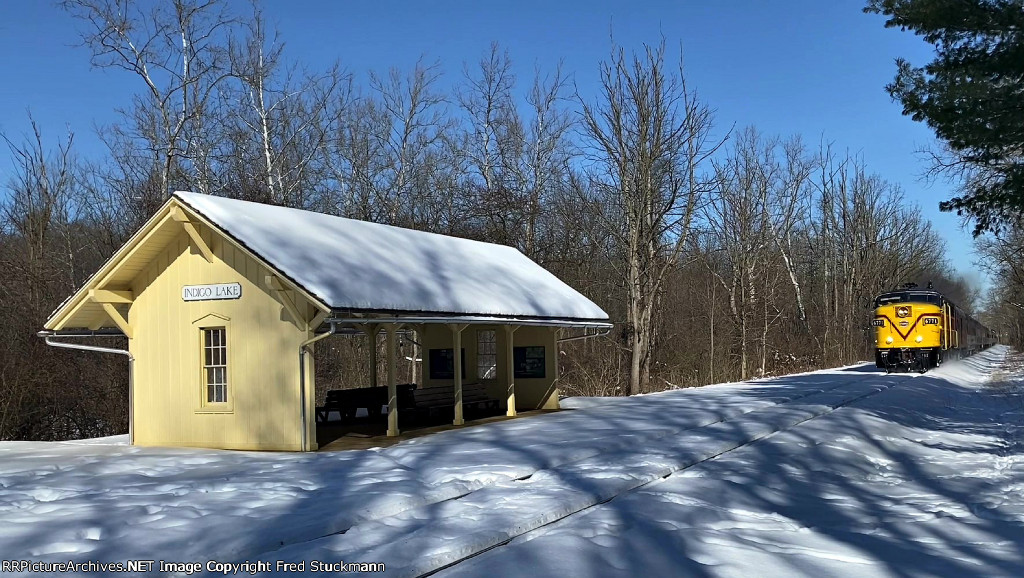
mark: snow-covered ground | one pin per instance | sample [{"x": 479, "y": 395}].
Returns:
[{"x": 843, "y": 472}]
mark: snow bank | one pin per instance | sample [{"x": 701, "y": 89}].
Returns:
[
  {"x": 109, "y": 501},
  {"x": 912, "y": 475},
  {"x": 920, "y": 480}
]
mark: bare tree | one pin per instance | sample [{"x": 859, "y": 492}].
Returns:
[
  {"x": 790, "y": 205},
  {"x": 776, "y": 251},
  {"x": 866, "y": 238},
  {"x": 44, "y": 254},
  {"x": 487, "y": 102},
  {"x": 282, "y": 122},
  {"x": 741, "y": 219},
  {"x": 1001, "y": 254},
  {"x": 546, "y": 155},
  {"x": 177, "y": 50},
  {"x": 414, "y": 124},
  {"x": 650, "y": 136},
  {"x": 40, "y": 199},
  {"x": 518, "y": 158}
]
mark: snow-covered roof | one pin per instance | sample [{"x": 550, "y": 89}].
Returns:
[{"x": 358, "y": 265}]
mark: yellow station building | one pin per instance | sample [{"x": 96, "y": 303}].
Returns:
[{"x": 221, "y": 301}]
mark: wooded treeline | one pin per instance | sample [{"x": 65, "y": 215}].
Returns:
[
  {"x": 719, "y": 253},
  {"x": 1002, "y": 255}
]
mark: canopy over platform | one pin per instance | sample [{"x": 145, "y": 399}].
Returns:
[
  {"x": 348, "y": 270},
  {"x": 361, "y": 267}
]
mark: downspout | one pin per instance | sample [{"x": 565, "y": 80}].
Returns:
[
  {"x": 49, "y": 337},
  {"x": 302, "y": 382}
]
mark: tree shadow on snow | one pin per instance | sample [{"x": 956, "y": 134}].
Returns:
[{"x": 901, "y": 497}]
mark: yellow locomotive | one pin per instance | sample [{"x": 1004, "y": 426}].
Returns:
[{"x": 917, "y": 329}]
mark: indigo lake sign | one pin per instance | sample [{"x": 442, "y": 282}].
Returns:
[{"x": 211, "y": 292}]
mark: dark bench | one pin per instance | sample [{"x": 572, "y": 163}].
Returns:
[
  {"x": 347, "y": 401},
  {"x": 431, "y": 400}
]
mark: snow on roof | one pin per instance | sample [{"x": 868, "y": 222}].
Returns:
[{"x": 359, "y": 265}]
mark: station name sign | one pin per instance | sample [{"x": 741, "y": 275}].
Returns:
[{"x": 211, "y": 292}]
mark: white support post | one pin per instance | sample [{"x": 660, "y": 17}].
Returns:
[
  {"x": 510, "y": 370},
  {"x": 390, "y": 329},
  {"x": 457, "y": 371}
]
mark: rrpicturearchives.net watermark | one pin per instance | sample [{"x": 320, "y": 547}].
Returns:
[{"x": 189, "y": 568}]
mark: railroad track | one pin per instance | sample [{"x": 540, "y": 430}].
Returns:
[
  {"x": 418, "y": 542},
  {"x": 757, "y": 437}
]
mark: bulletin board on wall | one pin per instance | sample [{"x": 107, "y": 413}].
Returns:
[
  {"x": 529, "y": 362},
  {"x": 442, "y": 363}
]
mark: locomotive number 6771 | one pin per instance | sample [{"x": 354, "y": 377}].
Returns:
[{"x": 919, "y": 329}]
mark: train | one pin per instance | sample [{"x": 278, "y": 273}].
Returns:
[{"x": 918, "y": 329}]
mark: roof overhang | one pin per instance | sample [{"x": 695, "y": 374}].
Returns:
[
  {"x": 103, "y": 301},
  {"x": 372, "y": 267},
  {"x": 90, "y": 308},
  {"x": 426, "y": 319}
]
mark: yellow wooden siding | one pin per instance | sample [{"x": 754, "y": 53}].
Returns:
[
  {"x": 533, "y": 393},
  {"x": 262, "y": 342},
  {"x": 530, "y": 393},
  {"x": 130, "y": 260}
]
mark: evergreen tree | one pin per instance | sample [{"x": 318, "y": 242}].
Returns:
[{"x": 972, "y": 95}]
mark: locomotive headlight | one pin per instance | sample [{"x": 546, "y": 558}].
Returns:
[
  {"x": 919, "y": 339},
  {"x": 903, "y": 311},
  {"x": 888, "y": 339}
]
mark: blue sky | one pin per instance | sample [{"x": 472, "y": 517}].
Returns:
[{"x": 810, "y": 67}]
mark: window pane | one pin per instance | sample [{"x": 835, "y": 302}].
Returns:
[
  {"x": 486, "y": 360},
  {"x": 486, "y": 354},
  {"x": 215, "y": 365},
  {"x": 486, "y": 367}
]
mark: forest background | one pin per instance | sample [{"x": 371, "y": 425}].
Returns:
[{"x": 720, "y": 252}]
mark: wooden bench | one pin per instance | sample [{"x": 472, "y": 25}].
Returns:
[
  {"x": 347, "y": 401},
  {"x": 431, "y": 400}
]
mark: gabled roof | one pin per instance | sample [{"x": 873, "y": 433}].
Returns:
[
  {"x": 344, "y": 265},
  {"x": 361, "y": 266}
]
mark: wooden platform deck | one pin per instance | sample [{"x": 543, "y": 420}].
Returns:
[{"x": 337, "y": 437}]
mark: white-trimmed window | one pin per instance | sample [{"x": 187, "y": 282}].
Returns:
[
  {"x": 486, "y": 354},
  {"x": 215, "y": 365}
]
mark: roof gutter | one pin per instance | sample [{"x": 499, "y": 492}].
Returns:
[
  {"x": 472, "y": 320},
  {"x": 50, "y": 336}
]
